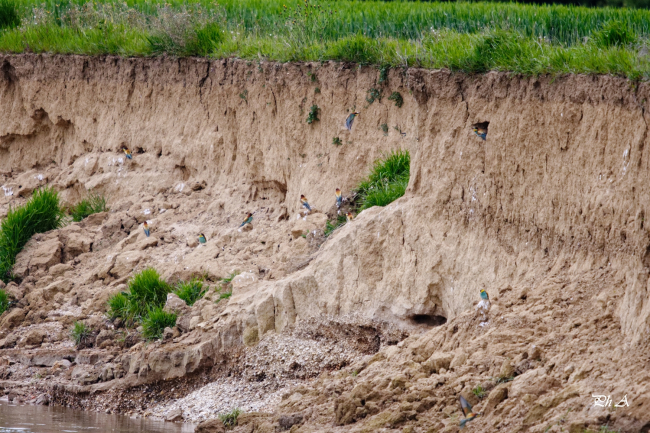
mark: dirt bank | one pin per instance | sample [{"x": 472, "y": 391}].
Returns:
[{"x": 547, "y": 215}]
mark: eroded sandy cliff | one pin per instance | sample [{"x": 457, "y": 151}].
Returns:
[{"x": 547, "y": 215}]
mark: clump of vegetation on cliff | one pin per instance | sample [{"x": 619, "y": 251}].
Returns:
[
  {"x": 92, "y": 204},
  {"x": 146, "y": 290},
  {"x": 190, "y": 291},
  {"x": 82, "y": 335},
  {"x": 472, "y": 37},
  {"x": 155, "y": 323},
  {"x": 40, "y": 214},
  {"x": 386, "y": 182},
  {"x": 143, "y": 304},
  {"x": 4, "y": 301}
]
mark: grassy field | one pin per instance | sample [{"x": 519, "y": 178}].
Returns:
[{"x": 474, "y": 37}]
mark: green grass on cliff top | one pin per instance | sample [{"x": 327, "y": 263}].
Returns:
[{"x": 472, "y": 37}]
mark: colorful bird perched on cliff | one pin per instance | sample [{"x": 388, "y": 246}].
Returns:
[
  {"x": 349, "y": 217},
  {"x": 127, "y": 152},
  {"x": 481, "y": 132},
  {"x": 350, "y": 119},
  {"x": 339, "y": 198},
  {"x": 303, "y": 200},
  {"x": 467, "y": 411},
  {"x": 202, "y": 238},
  {"x": 248, "y": 220},
  {"x": 146, "y": 229},
  {"x": 484, "y": 295}
]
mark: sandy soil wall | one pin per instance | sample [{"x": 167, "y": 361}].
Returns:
[{"x": 553, "y": 201}]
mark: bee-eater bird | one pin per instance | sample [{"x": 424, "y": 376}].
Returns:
[
  {"x": 202, "y": 238},
  {"x": 146, "y": 229},
  {"x": 248, "y": 220},
  {"x": 350, "y": 119},
  {"x": 484, "y": 295},
  {"x": 303, "y": 200},
  {"x": 481, "y": 132},
  {"x": 127, "y": 152},
  {"x": 339, "y": 198},
  {"x": 349, "y": 217},
  {"x": 467, "y": 411}
]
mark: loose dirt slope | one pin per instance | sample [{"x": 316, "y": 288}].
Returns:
[{"x": 548, "y": 215}]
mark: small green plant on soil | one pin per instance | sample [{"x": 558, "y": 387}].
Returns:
[
  {"x": 94, "y": 203},
  {"x": 313, "y": 114},
  {"x": 155, "y": 322},
  {"x": 40, "y": 214},
  {"x": 478, "y": 391},
  {"x": 330, "y": 226},
  {"x": 384, "y": 128},
  {"x": 4, "y": 301},
  {"x": 317, "y": 90},
  {"x": 386, "y": 182},
  {"x": 80, "y": 333},
  {"x": 336, "y": 141},
  {"x": 225, "y": 286},
  {"x": 190, "y": 291},
  {"x": 229, "y": 419},
  {"x": 312, "y": 77},
  {"x": 383, "y": 74},
  {"x": 373, "y": 95},
  {"x": 244, "y": 95},
  {"x": 397, "y": 97}
]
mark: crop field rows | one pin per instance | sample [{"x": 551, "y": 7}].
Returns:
[{"x": 473, "y": 37}]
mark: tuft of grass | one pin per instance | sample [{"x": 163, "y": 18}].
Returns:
[
  {"x": 118, "y": 306},
  {"x": 330, "y": 226},
  {"x": 397, "y": 97},
  {"x": 229, "y": 419},
  {"x": 80, "y": 333},
  {"x": 336, "y": 141},
  {"x": 225, "y": 289},
  {"x": 244, "y": 95},
  {"x": 9, "y": 17},
  {"x": 40, "y": 214},
  {"x": 190, "y": 291},
  {"x": 94, "y": 203},
  {"x": 146, "y": 291},
  {"x": 386, "y": 182},
  {"x": 313, "y": 114},
  {"x": 4, "y": 301},
  {"x": 155, "y": 322},
  {"x": 479, "y": 391},
  {"x": 384, "y": 128}
]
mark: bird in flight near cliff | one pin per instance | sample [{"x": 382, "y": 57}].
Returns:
[
  {"x": 349, "y": 217},
  {"x": 481, "y": 132},
  {"x": 127, "y": 152},
  {"x": 202, "y": 238},
  {"x": 339, "y": 198},
  {"x": 248, "y": 220},
  {"x": 146, "y": 229},
  {"x": 350, "y": 119},
  {"x": 484, "y": 295},
  {"x": 303, "y": 200},
  {"x": 467, "y": 411}
]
